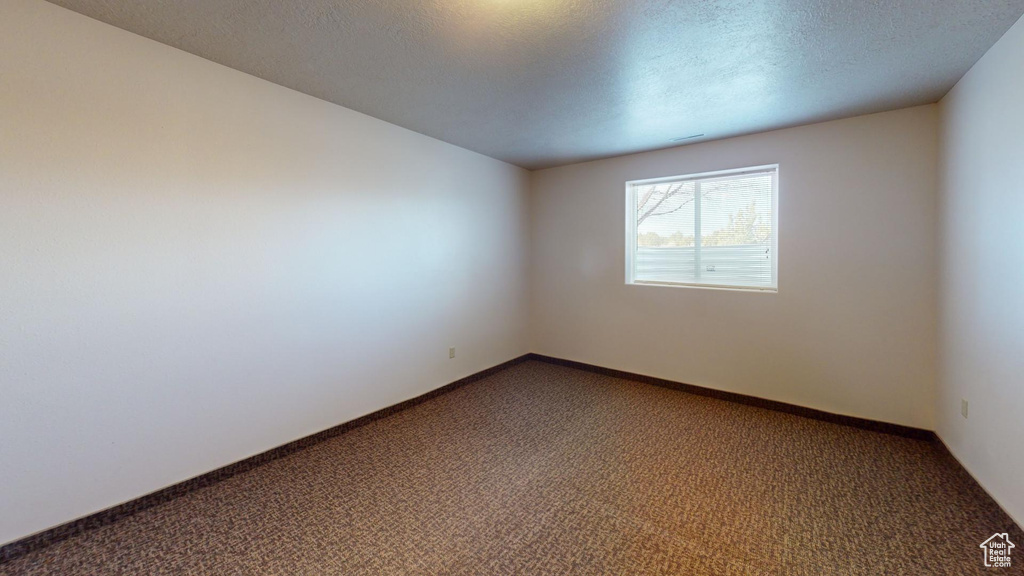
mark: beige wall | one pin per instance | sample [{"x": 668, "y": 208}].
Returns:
[
  {"x": 982, "y": 280},
  {"x": 852, "y": 328},
  {"x": 198, "y": 265}
]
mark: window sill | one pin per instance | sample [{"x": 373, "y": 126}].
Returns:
[{"x": 773, "y": 290}]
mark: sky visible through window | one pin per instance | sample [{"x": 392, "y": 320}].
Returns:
[{"x": 733, "y": 211}]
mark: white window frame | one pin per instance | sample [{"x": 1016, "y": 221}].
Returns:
[{"x": 703, "y": 176}]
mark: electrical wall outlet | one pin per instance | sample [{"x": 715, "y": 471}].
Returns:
[
  {"x": 963, "y": 407},
  {"x": 451, "y": 352}
]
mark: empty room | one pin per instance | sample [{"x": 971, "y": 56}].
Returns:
[{"x": 493, "y": 287}]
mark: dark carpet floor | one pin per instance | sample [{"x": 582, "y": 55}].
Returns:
[{"x": 542, "y": 469}]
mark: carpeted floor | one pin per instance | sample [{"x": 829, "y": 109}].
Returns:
[{"x": 542, "y": 469}]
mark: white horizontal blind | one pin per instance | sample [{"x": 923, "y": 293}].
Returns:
[{"x": 715, "y": 230}]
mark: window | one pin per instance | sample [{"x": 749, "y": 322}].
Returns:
[{"x": 716, "y": 230}]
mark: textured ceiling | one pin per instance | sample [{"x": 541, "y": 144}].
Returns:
[{"x": 540, "y": 83}]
